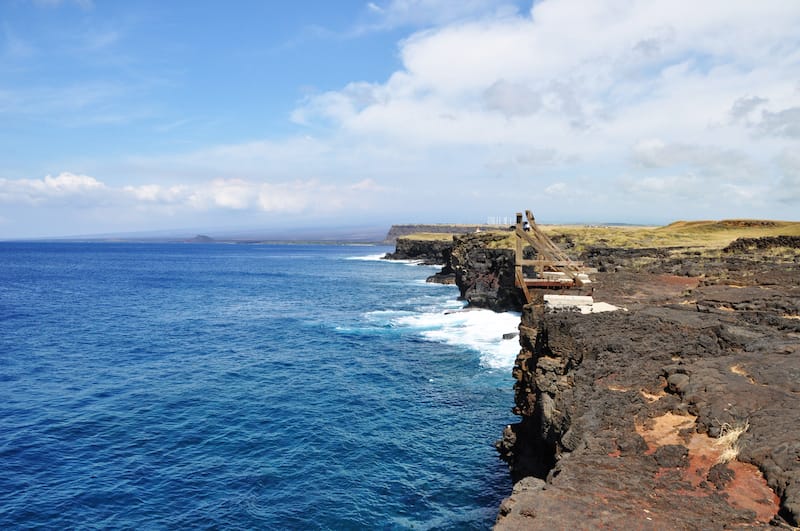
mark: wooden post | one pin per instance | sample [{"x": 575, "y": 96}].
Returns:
[{"x": 519, "y": 277}]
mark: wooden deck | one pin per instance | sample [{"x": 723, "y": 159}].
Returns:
[{"x": 553, "y": 268}]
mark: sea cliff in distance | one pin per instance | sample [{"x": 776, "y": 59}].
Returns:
[
  {"x": 326, "y": 234},
  {"x": 321, "y": 234}
]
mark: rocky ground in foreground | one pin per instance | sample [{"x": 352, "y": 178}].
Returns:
[{"x": 682, "y": 412}]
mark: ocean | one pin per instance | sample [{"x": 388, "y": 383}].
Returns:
[{"x": 175, "y": 386}]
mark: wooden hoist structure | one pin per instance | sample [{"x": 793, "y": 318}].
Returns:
[{"x": 552, "y": 267}]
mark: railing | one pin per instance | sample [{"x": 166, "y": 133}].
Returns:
[{"x": 550, "y": 258}]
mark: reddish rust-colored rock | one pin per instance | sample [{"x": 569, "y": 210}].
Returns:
[{"x": 622, "y": 413}]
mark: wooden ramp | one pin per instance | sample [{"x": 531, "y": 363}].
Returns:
[{"x": 552, "y": 267}]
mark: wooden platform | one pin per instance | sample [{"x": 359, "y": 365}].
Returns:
[{"x": 553, "y": 268}]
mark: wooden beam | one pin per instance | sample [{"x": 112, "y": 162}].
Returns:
[{"x": 524, "y": 285}]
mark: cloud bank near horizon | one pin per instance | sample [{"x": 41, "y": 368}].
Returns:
[{"x": 620, "y": 110}]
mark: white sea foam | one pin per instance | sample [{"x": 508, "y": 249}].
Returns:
[
  {"x": 417, "y": 263},
  {"x": 385, "y": 317},
  {"x": 368, "y": 257},
  {"x": 479, "y": 330},
  {"x": 380, "y": 258}
]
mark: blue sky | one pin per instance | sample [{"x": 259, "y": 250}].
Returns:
[{"x": 136, "y": 116}]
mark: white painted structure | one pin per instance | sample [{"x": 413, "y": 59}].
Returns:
[{"x": 582, "y": 303}]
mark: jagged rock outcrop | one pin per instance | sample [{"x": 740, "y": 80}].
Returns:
[
  {"x": 768, "y": 242},
  {"x": 622, "y": 413},
  {"x": 614, "y": 259},
  {"x": 484, "y": 272},
  {"x": 431, "y": 252},
  {"x": 479, "y": 263}
]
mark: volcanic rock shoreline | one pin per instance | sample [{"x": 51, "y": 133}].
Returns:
[{"x": 681, "y": 412}]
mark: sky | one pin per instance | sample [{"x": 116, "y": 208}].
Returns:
[{"x": 183, "y": 115}]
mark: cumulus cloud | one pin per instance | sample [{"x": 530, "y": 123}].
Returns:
[
  {"x": 635, "y": 65},
  {"x": 653, "y": 102},
  {"x": 789, "y": 186},
  {"x": 685, "y": 186},
  {"x": 154, "y": 193},
  {"x": 782, "y": 123},
  {"x": 65, "y": 186},
  {"x": 743, "y": 108},
  {"x": 556, "y": 189},
  {"x": 512, "y": 99},
  {"x": 710, "y": 161},
  {"x": 217, "y": 194},
  {"x": 672, "y": 97}
]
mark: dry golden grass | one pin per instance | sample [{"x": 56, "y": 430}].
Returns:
[
  {"x": 428, "y": 236},
  {"x": 703, "y": 236},
  {"x": 728, "y": 440},
  {"x": 707, "y": 237},
  {"x": 504, "y": 239}
]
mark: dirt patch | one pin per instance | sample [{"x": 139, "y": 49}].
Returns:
[
  {"x": 677, "y": 281},
  {"x": 742, "y": 485},
  {"x": 652, "y": 397}
]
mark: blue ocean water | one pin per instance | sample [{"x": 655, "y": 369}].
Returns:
[{"x": 244, "y": 387}]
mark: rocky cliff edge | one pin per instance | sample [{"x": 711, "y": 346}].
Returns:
[{"x": 681, "y": 413}]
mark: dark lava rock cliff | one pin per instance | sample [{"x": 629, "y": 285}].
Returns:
[
  {"x": 484, "y": 273},
  {"x": 681, "y": 413},
  {"x": 477, "y": 262},
  {"x": 427, "y": 251}
]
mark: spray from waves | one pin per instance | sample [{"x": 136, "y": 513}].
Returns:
[
  {"x": 381, "y": 258},
  {"x": 368, "y": 257},
  {"x": 443, "y": 319},
  {"x": 479, "y": 330}
]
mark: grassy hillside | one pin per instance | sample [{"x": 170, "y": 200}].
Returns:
[
  {"x": 430, "y": 236},
  {"x": 700, "y": 235},
  {"x": 695, "y": 235}
]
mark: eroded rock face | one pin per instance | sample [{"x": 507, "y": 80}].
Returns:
[
  {"x": 476, "y": 262},
  {"x": 485, "y": 275},
  {"x": 431, "y": 252},
  {"x": 760, "y": 244},
  {"x": 621, "y": 412}
]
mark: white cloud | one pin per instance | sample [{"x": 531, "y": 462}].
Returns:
[
  {"x": 661, "y": 105},
  {"x": 155, "y": 193},
  {"x": 65, "y": 186},
  {"x": 231, "y": 194},
  {"x": 789, "y": 186},
  {"x": 595, "y": 77},
  {"x": 512, "y": 99},
  {"x": 782, "y": 123},
  {"x": 743, "y": 108},
  {"x": 67, "y": 183},
  {"x": 685, "y": 186},
  {"x": 556, "y": 189},
  {"x": 710, "y": 161},
  {"x": 583, "y": 88}
]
